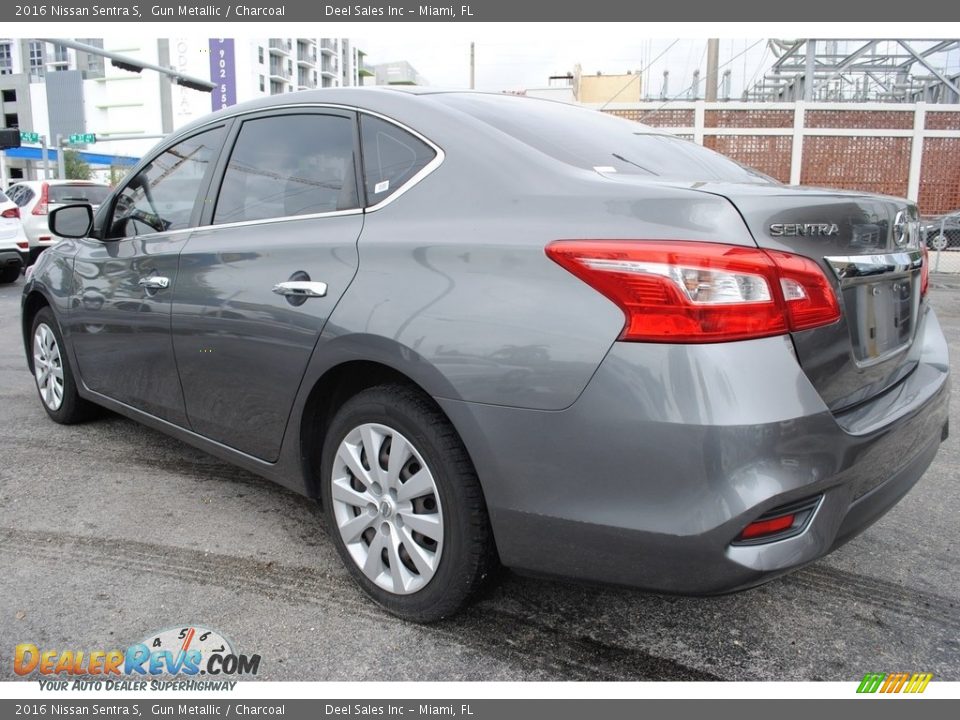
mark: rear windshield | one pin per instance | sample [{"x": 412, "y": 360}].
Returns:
[
  {"x": 591, "y": 139},
  {"x": 93, "y": 194}
]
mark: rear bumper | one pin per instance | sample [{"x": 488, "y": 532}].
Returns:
[
  {"x": 11, "y": 257},
  {"x": 671, "y": 450}
]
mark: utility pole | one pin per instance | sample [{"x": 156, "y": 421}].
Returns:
[
  {"x": 45, "y": 155},
  {"x": 713, "y": 61},
  {"x": 61, "y": 162},
  {"x": 473, "y": 66}
]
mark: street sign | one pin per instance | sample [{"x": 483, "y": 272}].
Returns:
[
  {"x": 30, "y": 137},
  {"x": 82, "y": 138}
]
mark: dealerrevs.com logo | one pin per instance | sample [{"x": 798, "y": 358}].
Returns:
[
  {"x": 186, "y": 652},
  {"x": 887, "y": 683}
]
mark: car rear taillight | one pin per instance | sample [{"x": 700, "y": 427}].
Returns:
[
  {"x": 23, "y": 244},
  {"x": 41, "y": 207},
  {"x": 693, "y": 292},
  {"x": 10, "y": 213}
]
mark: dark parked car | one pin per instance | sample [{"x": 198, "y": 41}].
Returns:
[
  {"x": 489, "y": 330},
  {"x": 942, "y": 232}
]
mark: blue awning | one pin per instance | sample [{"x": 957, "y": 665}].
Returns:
[{"x": 35, "y": 153}]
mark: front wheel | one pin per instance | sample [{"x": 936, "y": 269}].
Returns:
[
  {"x": 54, "y": 377},
  {"x": 403, "y": 504}
]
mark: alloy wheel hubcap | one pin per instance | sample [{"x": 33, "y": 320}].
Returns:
[
  {"x": 48, "y": 367},
  {"x": 387, "y": 508}
]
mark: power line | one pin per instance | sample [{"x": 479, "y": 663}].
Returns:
[
  {"x": 640, "y": 73},
  {"x": 687, "y": 89}
]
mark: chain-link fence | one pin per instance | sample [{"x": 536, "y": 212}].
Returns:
[
  {"x": 942, "y": 236},
  {"x": 945, "y": 261}
]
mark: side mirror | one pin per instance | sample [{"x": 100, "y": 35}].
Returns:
[{"x": 71, "y": 221}]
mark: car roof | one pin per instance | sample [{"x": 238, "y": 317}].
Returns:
[{"x": 399, "y": 102}]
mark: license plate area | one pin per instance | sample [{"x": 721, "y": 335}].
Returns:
[
  {"x": 881, "y": 297},
  {"x": 880, "y": 317}
]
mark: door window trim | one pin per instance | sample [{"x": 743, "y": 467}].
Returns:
[{"x": 232, "y": 123}]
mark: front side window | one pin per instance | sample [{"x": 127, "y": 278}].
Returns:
[
  {"x": 289, "y": 165},
  {"x": 162, "y": 195},
  {"x": 391, "y": 157}
]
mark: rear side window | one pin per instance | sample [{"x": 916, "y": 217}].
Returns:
[
  {"x": 289, "y": 165},
  {"x": 391, "y": 157},
  {"x": 93, "y": 194}
]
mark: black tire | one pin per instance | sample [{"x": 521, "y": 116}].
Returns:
[
  {"x": 468, "y": 557},
  {"x": 73, "y": 408},
  {"x": 9, "y": 274}
]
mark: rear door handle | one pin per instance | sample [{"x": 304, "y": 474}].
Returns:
[
  {"x": 301, "y": 288},
  {"x": 155, "y": 282}
]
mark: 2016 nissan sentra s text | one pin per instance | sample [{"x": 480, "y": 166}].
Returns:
[{"x": 488, "y": 330}]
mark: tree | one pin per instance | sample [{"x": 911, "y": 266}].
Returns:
[
  {"x": 117, "y": 173},
  {"x": 75, "y": 167}
]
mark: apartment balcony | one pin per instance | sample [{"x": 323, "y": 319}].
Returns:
[
  {"x": 305, "y": 58},
  {"x": 328, "y": 46},
  {"x": 280, "y": 73},
  {"x": 281, "y": 47},
  {"x": 305, "y": 80}
]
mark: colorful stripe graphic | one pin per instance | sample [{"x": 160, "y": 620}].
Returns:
[{"x": 894, "y": 682}]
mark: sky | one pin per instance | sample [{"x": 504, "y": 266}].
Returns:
[
  {"x": 510, "y": 61},
  {"x": 507, "y": 64}
]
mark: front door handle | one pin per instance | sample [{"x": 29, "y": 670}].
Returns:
[
  {"x": 155, "y": 282},
  {"x": 301, "y": 289}
]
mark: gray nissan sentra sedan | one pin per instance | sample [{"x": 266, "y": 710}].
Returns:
[{"x": 487, "y": 330}]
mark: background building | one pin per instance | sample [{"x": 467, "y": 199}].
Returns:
[
  {"x": 399, "y": 72},
  {"x": 50, "y": 89},
  {"x": 601, "y": 88}
]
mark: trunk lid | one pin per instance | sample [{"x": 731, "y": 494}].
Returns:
[{"x": 868, "y": 246}]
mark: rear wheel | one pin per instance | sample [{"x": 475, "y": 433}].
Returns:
[
  {"x": 403, "y": 504},
  {"x": 55, "y": 381}
]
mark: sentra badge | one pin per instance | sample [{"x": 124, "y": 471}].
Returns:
[{"x": 804, "y": 229}]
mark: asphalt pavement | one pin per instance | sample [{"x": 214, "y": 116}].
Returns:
[{"x": 110, "y": 531}]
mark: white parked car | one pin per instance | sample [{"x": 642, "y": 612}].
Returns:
[
  {"x": 36, "y": 198},
  {"x": 13, "y": 242}
]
